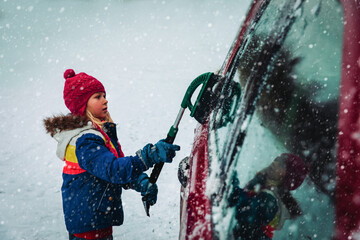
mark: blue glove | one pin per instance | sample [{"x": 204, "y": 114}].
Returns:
[
  {"x": 160, "y": 152},
  {"x": 148, "y": 191}
]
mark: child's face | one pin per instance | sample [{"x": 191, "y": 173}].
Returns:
[{"x": 97, "y": 105}]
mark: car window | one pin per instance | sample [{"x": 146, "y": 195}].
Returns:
[{"x": 295, "y": 98}]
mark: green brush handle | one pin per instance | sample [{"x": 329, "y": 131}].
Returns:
[
  {"x": 157, "y": 168},
  {"x": 186, "y": 103}
]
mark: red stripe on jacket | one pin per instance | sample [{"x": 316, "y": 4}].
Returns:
[{"x": 72, "y": 168}]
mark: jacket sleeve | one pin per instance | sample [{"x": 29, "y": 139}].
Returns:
[{"x": 94, "y": 157}]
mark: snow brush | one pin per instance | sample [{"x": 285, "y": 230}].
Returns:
[{"x": 200, "y": 110}]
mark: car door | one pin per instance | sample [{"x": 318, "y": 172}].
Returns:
[{"x": 283, "y": 99}]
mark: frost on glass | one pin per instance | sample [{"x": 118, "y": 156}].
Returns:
[{"x": 296, "y": 112}]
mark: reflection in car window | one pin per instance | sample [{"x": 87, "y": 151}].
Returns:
[{"x": 296, "y": 111}]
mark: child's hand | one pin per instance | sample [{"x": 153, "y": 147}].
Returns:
[
  {"x": 149, "y": 191},
  {"x": 160, "y": 152},
  {"x": 163, "y": 151}
]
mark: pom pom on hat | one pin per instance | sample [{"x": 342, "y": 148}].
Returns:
[
  {"x": 69, "y": 73},
  {"x": 78, "y": 89}
]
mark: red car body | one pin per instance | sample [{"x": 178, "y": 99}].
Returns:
[{"x": 196, "y": 210}]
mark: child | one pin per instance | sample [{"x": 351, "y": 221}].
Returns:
[{"x": 95, "y": 168}]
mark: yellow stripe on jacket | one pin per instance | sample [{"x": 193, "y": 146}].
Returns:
[{"x": 71, "y": 162}]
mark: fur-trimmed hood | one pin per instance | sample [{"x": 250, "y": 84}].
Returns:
[
  {"x": 61, "y": 123},
  {"x": 64, "y": 128}
]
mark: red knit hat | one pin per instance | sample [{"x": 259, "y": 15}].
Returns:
[{"x": 78, "y": 89}]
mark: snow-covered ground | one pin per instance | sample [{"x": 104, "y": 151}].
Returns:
[{"x": 144, "y": 52}]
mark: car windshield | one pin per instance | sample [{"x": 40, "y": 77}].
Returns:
[{"x": 283, "y": 99}]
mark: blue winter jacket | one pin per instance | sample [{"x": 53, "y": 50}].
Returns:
[{"x": 93, "y": 178}]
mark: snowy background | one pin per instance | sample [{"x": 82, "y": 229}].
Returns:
[{"x": 144, "y": 52}]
